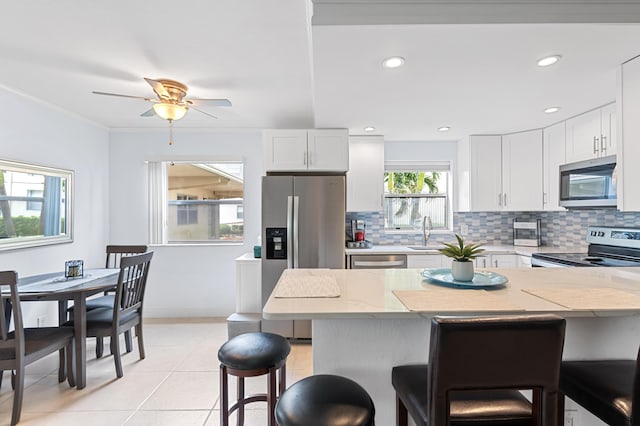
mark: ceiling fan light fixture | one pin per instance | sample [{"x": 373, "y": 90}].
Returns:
[
  {"x": 551, "y": 110},
  {"x": 169, "y": 111}
]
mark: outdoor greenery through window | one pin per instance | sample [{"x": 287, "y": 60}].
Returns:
[
  {"x": 410, "y": 195},
  {"x": 35, "y": 205},
  {"x": 197, "y": 202}
]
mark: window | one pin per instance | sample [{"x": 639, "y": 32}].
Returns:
[
  {"x": 415, "y": 191},
  {"x": 196, "y": 201},
  {"x": 34, "y": 194},
  {"x": 35, "y": 205},
  {"x": 187, "y": 212}
]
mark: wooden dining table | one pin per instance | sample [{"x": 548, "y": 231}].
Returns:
[{"x": 55, "y": 287}]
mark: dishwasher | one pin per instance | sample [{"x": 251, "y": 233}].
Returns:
[{"x": 378, "y": 261}]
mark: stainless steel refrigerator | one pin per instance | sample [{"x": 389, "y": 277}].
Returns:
[{"x": 303, "y": 226}]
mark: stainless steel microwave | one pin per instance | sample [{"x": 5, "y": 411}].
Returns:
[{"x": 589, "y": 183}]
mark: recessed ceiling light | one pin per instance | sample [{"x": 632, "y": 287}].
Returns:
[
  {"x": 548, "y": 60},
  {"x": 393, "y": 62},
  {"x": 552, "y": 110},
  {"x": 444, "y": 129},
  {"x": 369, "y": 129}
]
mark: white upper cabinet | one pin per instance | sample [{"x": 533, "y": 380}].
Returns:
[
  {"x": 522, "y": 171},
  {"x": 553, "y": 151},
  {"x": 485, "y": 172},
  {"x": 366, "y": 173},
  {"x": 592, "y": 134},
  {"x": 506, "y": 172},
  {"x": 629, "y": 150},
  {"x": 323, "y": 150}
]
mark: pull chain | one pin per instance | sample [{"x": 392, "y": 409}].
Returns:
[{"x": 170, "y": 132}]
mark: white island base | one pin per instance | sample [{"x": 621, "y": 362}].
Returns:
[
  {"x": 367, "y": 330},
  {"x": 365, "y": 350}
]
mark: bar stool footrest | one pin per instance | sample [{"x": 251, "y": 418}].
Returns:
[{"x": 258, "y": 397}]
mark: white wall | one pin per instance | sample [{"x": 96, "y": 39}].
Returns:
[
  {"x": 188, "y": 280},
  {"x": 31, "y": 131}
]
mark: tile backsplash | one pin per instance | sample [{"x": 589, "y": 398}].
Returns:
[{"x": 566, "y": 229}]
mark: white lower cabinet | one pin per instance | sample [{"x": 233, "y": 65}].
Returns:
[
  {"x": 524, "y": 261},
  {"x": 497, "y": 261},
  {"x": 248, "y": 284},
  {"x": 426, "y": 261}
]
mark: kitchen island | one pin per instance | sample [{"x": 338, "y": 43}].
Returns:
[{"x": 367, "y": 329}]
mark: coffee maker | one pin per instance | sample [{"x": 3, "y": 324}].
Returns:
[{"x": 358, "y": 235}]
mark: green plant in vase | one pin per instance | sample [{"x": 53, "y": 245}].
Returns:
[{"x": 462, "y": 255}]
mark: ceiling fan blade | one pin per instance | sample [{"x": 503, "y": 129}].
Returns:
[
  {"x": 122, "y": 96},
  {"x": 203, "y": 112},
  {"x": 210, "y": 102},
  {"x": 158, "y": 88},
  {"x": 148, "y": 113}
]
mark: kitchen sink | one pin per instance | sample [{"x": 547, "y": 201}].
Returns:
[{"x": 424, "y": 248}]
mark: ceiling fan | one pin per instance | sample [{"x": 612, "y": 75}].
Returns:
[{"x": 170, "y": 103}]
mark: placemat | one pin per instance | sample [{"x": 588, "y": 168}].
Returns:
[
  {"x": 437, "y": 300},
  {"x": 587, "y": 298},
  {"x": 308, "y": 286}
]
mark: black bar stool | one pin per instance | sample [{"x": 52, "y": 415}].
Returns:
[
  {"x": 325, "y": 400},
  {"x": 251, "y": 355}
]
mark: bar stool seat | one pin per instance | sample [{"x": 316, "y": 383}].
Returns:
[
  {"x": 325, "y": 400},
  {"x": 251, "y": 355}
]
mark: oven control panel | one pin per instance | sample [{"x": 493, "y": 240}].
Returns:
[{"x": 622, "y": 237}]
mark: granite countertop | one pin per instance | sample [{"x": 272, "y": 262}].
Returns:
[
  {"x": 509, "y": 249},
  {"x": 369, "y": 293}
]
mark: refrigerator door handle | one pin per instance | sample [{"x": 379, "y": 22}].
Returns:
[
  {"x": 296, "y": 210},
  {"x": 289, "y": 232}
]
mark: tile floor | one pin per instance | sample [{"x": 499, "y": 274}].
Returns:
[{"x": 177, "y": 383}]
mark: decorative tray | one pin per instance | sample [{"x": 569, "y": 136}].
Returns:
[{"x": 481, "y": 279}]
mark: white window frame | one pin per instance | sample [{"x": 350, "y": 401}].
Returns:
[
  {"x": 158, "y": 203},
  {"x": 427, "y": 166}
]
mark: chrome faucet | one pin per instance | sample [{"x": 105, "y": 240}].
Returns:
[{"x": 426, "y": 229}]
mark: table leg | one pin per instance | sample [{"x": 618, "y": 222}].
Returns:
[{"x": 80, "y": 329}]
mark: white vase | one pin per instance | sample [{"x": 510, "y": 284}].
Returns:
[{"x": 462, "y": 271}]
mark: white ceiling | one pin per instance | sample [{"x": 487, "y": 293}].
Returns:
[{"x": 279, "y": 72}]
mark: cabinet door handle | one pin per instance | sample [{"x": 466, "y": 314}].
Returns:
[
  {"x": 603, "y": 144},
  {"x": 304, "y": 158},
  {"x": 505, "y": 199},
  {"x": 500, "y": 199},
  {"x": 595, "y": 144},
  {"x": 495, "y": 262},
  {"x": 484, "y": 263}
]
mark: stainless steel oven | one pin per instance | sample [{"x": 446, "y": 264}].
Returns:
[{"x": 608, "y": 246}]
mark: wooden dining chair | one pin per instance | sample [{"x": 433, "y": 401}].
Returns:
[
  {"x": 126, "y": 311},
  {"x": 477, "y": 368},
  {"x": 23, "y": 346},
  {"x": 115, "y": 253}
]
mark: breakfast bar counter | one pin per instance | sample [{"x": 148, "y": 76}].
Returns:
[{"x": 362, "y": 328}]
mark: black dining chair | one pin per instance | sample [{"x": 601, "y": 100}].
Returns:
[
  {"x": 608, "y": 388},
  {"x": 126, "y": 311},
  {"x": 115, "y": 253},
  {"x": 477, "y": 368},
  {"x": 23, "y": 346}
]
